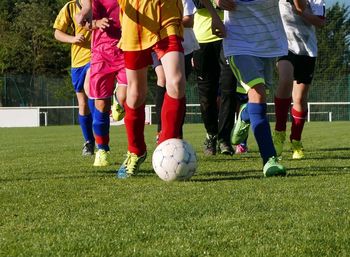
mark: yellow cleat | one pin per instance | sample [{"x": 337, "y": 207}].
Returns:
[
  {"x": 131, "y": 165},
  {"x": 298, "y": 150},
  {"x": 118, "y": 112},
  {"x": 279, "y": 137},
  {"x": 102, "y": 158}
]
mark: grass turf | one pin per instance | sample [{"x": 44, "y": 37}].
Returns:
[{"x": 53, "y": 202}]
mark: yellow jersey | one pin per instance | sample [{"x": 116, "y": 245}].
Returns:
[
  {"x": 145, "y": 22},
  {"x": 80, "y": 53}
]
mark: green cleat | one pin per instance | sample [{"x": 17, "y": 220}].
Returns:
[
  {"x": 118, "y": 112},
  {"x": 102, "y": 158},
  {"x": 298, "y": 150},
  {"x": 241, "y": 130},
  {"x": 279, "y": 137},
  {"x": 131, "y": 165},
  {"x": 273, "y": 168}
]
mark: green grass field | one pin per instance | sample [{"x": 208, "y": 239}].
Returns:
[{"x": 54, "y": 203}]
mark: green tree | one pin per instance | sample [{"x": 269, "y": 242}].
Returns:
[{"x": 332, "y": 67}]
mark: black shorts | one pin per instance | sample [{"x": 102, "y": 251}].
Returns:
[{"x": 304, "y": 67}]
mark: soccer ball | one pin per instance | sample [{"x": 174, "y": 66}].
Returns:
[{"x": 174, "y": 159}]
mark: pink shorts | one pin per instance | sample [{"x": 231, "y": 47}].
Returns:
[{"x": 107, "y": 68}]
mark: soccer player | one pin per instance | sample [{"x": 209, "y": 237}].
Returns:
[
  {"x": 189, "y": 44},
  {"x": 296, "y": 71},
  {"x": 107, "y": 67},
  {"x": 254, "y": 37},
  {"x": 68, "y": 31},
  {"x": 156, "y": 26},
  {"x": 214, "y": 75}
]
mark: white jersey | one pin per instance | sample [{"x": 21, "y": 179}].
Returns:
[
  {"x": 301, "y": 35},
  {"x": 255, "y": 28},
  {"x": 190, "y": 42}
]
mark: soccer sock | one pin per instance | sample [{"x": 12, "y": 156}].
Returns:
[
  {"x": 173, "y": 112},
  {"x": 160, "y": 92},
  {"x": 101, "y": 128},
  {"x": 261, "y": 129},
  {"x": 245, "y": 114},
  {"x": 298, "y": 121},
  {"x": 91, "y": 103},
  {"x": 282, "y": 106},
  {"x": 85, "y": 122},
  {"x": 135, "y": 125}
]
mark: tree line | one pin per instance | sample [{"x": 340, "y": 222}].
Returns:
[{"x": 27, "y": 44}]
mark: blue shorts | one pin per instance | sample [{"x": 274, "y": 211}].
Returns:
[
  {"x": 251, "y": 71},
  {"x": 78, "y": 77}
]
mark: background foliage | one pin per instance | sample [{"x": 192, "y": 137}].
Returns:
[{"x": 34, "y": 67}]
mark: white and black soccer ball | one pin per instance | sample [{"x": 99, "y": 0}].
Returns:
[{"x": 174, "y": 159}]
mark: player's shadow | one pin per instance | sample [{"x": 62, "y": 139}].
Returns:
[
  {"x": 317, "y": 171},
  {"x": 210, "y": 176}
]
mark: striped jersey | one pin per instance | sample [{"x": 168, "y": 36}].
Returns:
[
  {"x": 301, "y": 35},
  {"x": 146, "y": 22},
  {"x": 65, "y": 22},
  {"x": 255, "y": 28}
]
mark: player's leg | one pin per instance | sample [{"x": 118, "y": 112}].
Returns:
[
  {"x": 171, "y": 55},
  {"x": 119, "y": 97},
  {"x": 241, "y": 99},
  {"x": 120, "y": 91},
  {"x": 102, "y": 79},
  {"x": 79, "y": 77},
  {"x": 160, "y": 90},
  {"x": 228, "y": 84},
  {"x": 136, "y": 71},
  {"x": 207, "y": 67},
  {"x": 304, "y": 70},
  {"x": 283, "y": 101},
  {"x": 254, "y": 74}
]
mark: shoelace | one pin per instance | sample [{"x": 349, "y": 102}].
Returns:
[{"x": 130, "y": 161}]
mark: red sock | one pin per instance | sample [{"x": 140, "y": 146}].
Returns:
[
  {"x": 173, "y": 112},
  {"x": 135, "y": 125},
  {"x": 282, "y": 106},
  {"x": 298, "y": 122}
]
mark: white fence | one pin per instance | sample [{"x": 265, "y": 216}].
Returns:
[{"x": 31, "y": 116}]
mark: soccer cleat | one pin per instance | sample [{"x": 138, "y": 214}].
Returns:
[
  {"x": 131, "y": 165},
  {"x": 241, "y": 148},
  {"x": 118, "y": 112},
  {"x": 210, "y": 145},
  {"x": 241, "y": 130},
  {"x": 225, "y": 148},
  {"x": 273, "y": 168},
  {"x": 88, "y": 149},
  {"x": 102, "y": 158},
  {"x": 298, "y": 150},
  {"x": 278, "y": 140}
]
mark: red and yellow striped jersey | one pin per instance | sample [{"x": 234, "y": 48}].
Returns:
[{"x": 145, "y": 22}]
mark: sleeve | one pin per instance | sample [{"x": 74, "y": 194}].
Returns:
[
  {"x": 318, "y": 7},
  {"x": 189, "y": 7},
  {"x": 63, "y": 19}
]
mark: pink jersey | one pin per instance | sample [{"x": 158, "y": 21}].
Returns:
[{"x": 107, "y": 60}]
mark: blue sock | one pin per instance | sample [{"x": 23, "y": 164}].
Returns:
[
  {"x": 261, "y": 129},
  {"x": 85, "y": 122},
  {"x": 91, "y": 103},
  {"x": 245, "y": 114},
  {"x": 101, "y": 126}
]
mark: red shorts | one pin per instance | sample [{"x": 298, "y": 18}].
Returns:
[{"x": 135, "y": 60}]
